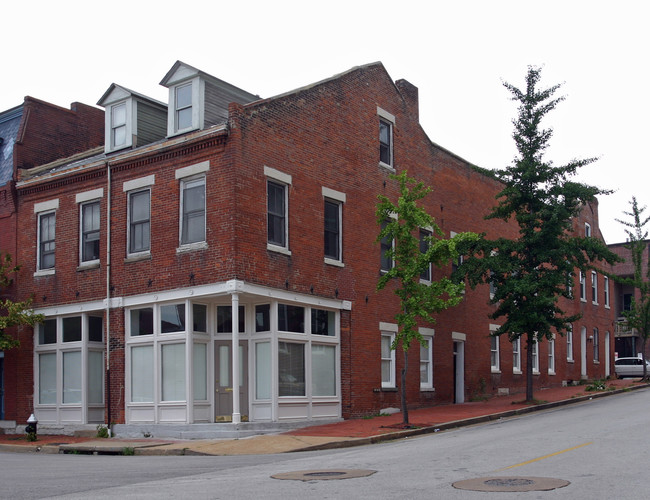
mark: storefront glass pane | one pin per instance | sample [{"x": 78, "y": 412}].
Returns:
[
  {"x": 72, "y": 377},
  {"x": 47, "y": 379},
  {"x": 200, "y": 372},
  {"x": 263, "y": 370},
  {"x": 95, "y": 377},
  {"x": 323, "y": 370},
  {"x": 291, "y": 369},
  {"x": 142, "y": 374},
  {"x": 173, "y": 372}
]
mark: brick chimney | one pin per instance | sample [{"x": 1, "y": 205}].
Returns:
[{"x": 410, "y": 95}]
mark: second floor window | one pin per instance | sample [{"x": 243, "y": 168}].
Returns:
[
  {"x": 332, "y": 230},
  {"x": 192, "y": 211},
  {"x": 594, "y": 287},
  {"x": 276, "y": 215},
  {"x": 386, "y": 142},
  {"x": 424, "y": 246},
  {"x": 90, "y": 231},
  {"x": 139, "y": 221},
  {"x": 46, "y": 240},
  {"x": 583, "y": 286},
  {"x": 386, "y": 261}
]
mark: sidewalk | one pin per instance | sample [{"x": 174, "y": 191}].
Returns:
[{"x": 338, "y": 435}]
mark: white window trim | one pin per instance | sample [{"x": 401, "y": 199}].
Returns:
[
  {"x": 389, "y": 384},
  {"x": 93, "y": 195},
  {"x": 569, "y": 347},
  {"x": 87, "y": 263},
  {"x": 198, "y": 86},
  {"x": 551, "y": 356},
  {"x": 495, "y": 368},
  {"x": 58, "y": 348},
  {"x": 144, "y": 253},
  {"x": 587, "y": 230},
  {"x": 195, "y": 245},
  {"x": 390, "y": 119},
  {"x": 141, "y": 182},
  {"x": 516, "y": 369},
  {"x": 594, "y": 288},
  {"x": 583, "y": 287},
  {"x": 338, "y": 198},
  {"x": 535, "y": 358},
  {"x": 429, "y": 230},
  {"x": 606, "y": 291},
  {"x": 286, "y": 180},
  {"x": 428, "y": 334},
  {"x": 50, "y": 270},
  {"x": 46, "y": 206},
  {"x": 192, "y": 170},
  {"x": 129, "y": 105}
]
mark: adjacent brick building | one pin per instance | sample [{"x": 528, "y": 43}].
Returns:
[{"x": 221, "y": 208}]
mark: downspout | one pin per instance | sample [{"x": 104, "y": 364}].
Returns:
[{"x": 108, "y": 297}]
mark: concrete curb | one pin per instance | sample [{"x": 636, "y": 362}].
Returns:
[
  {"x": 162, "y": 449},
  {"x": 454, "y": 424}
]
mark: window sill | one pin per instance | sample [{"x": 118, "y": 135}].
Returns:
[
  {"x": 425, "y": 282},
  {"x": 333, "y": 262},
  {"x": 191, "y": 247},
  {"x": 427, "y": 389},
  {"x": 594, "y": 303},
  {"x": 551, "y": 372},
  {"x": 495, "y": 370},
  {"x": 596, "y": 362},
  {"x": 387, "y": 167},
  {"x": 94, "y": 264},
  {"x": 278, "y": 249},
  {"x": 536, "y": 372},
  {"x": 136, "y": 257},
  {"x": 389, "y": 389},
  {"x": 570, "y": 360},
  {"x": 607, "y": 306},
  {"x": 516, "y": 372},
  {"x": 45, "y": 272}
]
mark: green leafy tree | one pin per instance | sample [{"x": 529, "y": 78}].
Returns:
[
  {"x": 12, "y": 313},
  {"x": 401, "y": 223},
  {"x": 528, "y": 274},
  {"x": 638, "y": 316}
]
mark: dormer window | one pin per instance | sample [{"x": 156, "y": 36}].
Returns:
[
  {"x": 183, "y": 107},
  {"x": 118, "y": 125},
  {"x": 198, "y": 100},
  {"x": 131, "y": 119}
]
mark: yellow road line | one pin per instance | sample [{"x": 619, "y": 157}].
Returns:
[{"x": 546, "y": 456}]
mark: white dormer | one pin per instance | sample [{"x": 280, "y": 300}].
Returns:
[
  {"x": 131, "y": 119},
  {"x": 198, "y": 100}
]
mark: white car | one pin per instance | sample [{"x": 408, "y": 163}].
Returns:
[{"x": 630, "y": 367}]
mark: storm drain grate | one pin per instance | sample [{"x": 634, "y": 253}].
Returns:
[
  {"x": 511, "y": 484},
  {"x": 310, "y": 475}
]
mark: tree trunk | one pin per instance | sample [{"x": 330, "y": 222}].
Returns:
[
  {"x": 529, "y": 367},
  {"x": 405, "y": 411}
]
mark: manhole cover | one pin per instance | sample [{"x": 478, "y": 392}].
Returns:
[
  {"x": 511, "y": 484},
  {"x": 310, "y": 475}
]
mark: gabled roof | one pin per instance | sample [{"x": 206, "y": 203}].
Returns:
[
  {"x": 117, "y": 93},
  {"x": 181, "y": 71}
]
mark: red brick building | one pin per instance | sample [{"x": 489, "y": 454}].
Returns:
[
  {"x": 222, "y": 208},
  {"x": 33, "y": 133},
  {"x": 628, "y": 341}
]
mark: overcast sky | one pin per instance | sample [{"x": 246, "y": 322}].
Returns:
[{"x": 456, "y": 52}]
